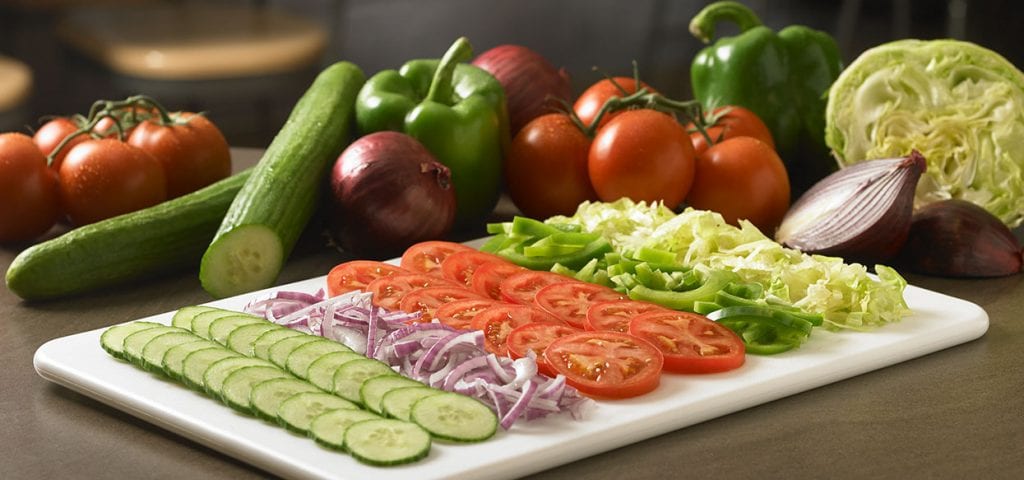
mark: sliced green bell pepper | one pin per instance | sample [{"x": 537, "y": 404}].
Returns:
[
  {"x": 456, "y": 110},
  {"x": 782, "y": 77}
]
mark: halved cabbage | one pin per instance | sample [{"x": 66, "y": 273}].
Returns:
[{"x": 959, "y": 104}]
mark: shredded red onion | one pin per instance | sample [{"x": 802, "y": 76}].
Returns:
[{"x": 432, "y": 353}]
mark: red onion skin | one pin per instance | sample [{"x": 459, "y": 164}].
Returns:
[
  {"x": 533, "y": 86},
  {"x": 388, "y": 192}
]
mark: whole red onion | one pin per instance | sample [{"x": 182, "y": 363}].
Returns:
[
  {"x": 533, "y": 85},
  {"x": 389, "y": 192}
]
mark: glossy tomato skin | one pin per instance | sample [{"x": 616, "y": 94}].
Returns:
[
  {"x": 606, "y": 364},
  {"x": 103, "y": 178},
  {"x": 192, "y": 151},
  {"x": 357, "y": 274},
  {"x": 29, "y": 195},
  {"x": 742, "y": 178},
  {"x": 569, "y": 301},
  {"x": 644, "y": 155},
  {"x": 690, "y": 342},
  {"x": 52, "y": 133},
  {"x": 426, "y": 256},
  {"x": 730, "y": 122},
  {"x": 546, "y": 167},
  {"x": 589, "y": 103}
]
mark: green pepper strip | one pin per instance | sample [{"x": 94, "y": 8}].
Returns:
[
  {"x": 574, "y": 260},
  {"x": 716, "y": 280},
  {"x": 726, "y": 299}
]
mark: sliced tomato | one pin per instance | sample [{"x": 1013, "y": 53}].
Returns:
[
  {"x": 570, "y": 301},
  {"x": 690, "y": 342},
  {"x": 357, "y": 275},
  {"x": 388, "y": 292},
  {"x": 426, "y": 257},
  {"x": 614, "y": 316},
  {"x": 536, "y": 337},
  {"x": 427, "y": 300},
  {"x": 459, "y": 267},
  {"x": 497, "y": 321},
  {"x": 460, "y": 313},
  {"x": 606, "y": 364},
  {"x": 523, "y": 286},
  {"x": 488, "y": 277}
]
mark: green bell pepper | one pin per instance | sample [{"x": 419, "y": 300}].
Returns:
[
  {"x": 782, "y": 77},
  {"x": 456, "y": 110}
]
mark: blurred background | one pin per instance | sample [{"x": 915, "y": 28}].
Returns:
[{"x": 245, "y": 63}]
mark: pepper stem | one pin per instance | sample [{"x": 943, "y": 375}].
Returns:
[
  {"x": 703, "y": 24},
  {"x": 441, "y": 88}
]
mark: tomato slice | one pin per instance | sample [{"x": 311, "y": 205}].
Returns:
[
  {"x": 357, "y": 275},
  {"x": 389, "y": 291},
  {"x": 614, "y": 316},
  {"x": 536, "y": 337},
  {"x": 426, "y": 257},
  {"x": 690, "y": 342},
  {"x": 497, "y": 321},
  {"x": 523, "y": 286},
  {"x": 460, "y": 313},
  {"x": 488, "y": 277},
  {"x": 606, "y": 364},
  {"x": 427, "y": 300},
  {"x": 459, "y": 267},
  {"x": 570, "y": 301}
]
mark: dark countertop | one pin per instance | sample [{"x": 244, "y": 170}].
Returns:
[{"x": 956, "y": 413}]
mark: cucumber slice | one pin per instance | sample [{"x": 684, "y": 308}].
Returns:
[
  {"x": 349, "y": 377},
  {"x": 279, "y": 351},
  {"x": 213, "y": 378},
  {"x": 183, "y": 317},
  {"x": 328, "y": 429},
  {"x": 222, "y": 327},
  {"x": 237, "y": 387},
  {"x": 455, "y": 417},
  {"x": 386, "y": 441},
  {"x": 112, "y": 339},
  {"x": 174, "y": 358},
  {"x": 201, "y": 322},
  {"x": 299, "y": 360},
  {"x": 261, "y": 349},
  {"x": 243, "y": 338},
  {"x": 266, "y": 397},
  {"x": 397, "y": 403},
  {"x": 373, "y": 390},
  {"x": 134, "y": 343},
  {"x": 154, "y": 350},
  {"x": 198, "y": 362},
  {"x": 297, "y": 412},
  {"x": 321, "y": 371}
]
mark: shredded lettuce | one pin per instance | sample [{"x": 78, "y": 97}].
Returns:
[{"x": 846, "y": 295}]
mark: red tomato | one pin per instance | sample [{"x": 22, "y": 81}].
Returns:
[
  {"x": 690, "y": 342},
  {"x": 488, "y": 277},
  {"x": 426, "y": 257},
  {"x": 546, "y": 167},
  {"x": 52, "y": 133},
  {"x": 570, "y": 301},
  {"x": 29, "y": 194},
  {"x": 459, "y": 267},
  {"x": 427, "y": 300},
  {"x": 521, "y": 287},
  {"x": 388, "y": 292},
  {"x": 742, "y": 178},
  {"x": 644, "y": 155},
  {"x": 192, "y": 151},
  {"x": 593, "y": 98},
  {"x": 357, "y": 274},
  {"x": 606, "y": 364},
  {"x": 103, "y": 178},
  {"x": 497, "y": 321},
  {"x": 730, "y": 122},
  {"x": 536, "y": 337},
  {"x": 460, "y": 313},
  {"x": 127, "y": 118},
  {"x": 614, "y": 316}
]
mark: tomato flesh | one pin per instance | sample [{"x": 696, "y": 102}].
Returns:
[
  {"x": 497, "y": 321},
  {"x": 690, "y": 342},
  {"x": 357, "y": 275},
  {"x": 614, "y": 316},
  {"x": 426, "y": 257},
  {"x": 522, "y": 287},
  {"x": 535, "y": 337},
  {"x": 459, "y": 267},
  {"x": 460, "y": 313},
  {"x": 488, "y": 277},
  {"x": 570, "y": 301},
  {"x": 606, "y": 364},
  {"x": 389, "y": 291},
  {"x": 427, "y": 300}
]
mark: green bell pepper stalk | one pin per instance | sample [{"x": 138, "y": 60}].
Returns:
[
  {"x": 456, "y": 110},
  {"x": 782, "y": 77}
]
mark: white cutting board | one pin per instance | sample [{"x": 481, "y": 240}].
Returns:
[{"x": 940, "y": 321}]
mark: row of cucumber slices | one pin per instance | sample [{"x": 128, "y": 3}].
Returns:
[{"x": 308, "y": 384}]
